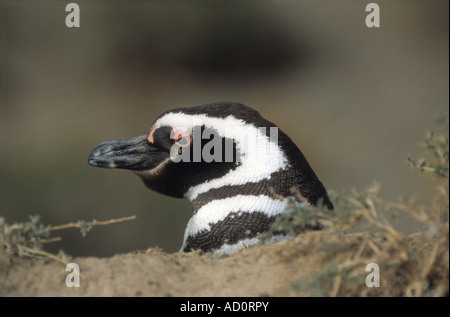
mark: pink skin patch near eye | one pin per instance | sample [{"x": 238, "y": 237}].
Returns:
[
  {"x": 181, "y": 136},
  {"x": 150, "y": 135}
]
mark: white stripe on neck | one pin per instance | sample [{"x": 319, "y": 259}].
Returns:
[{"x": 217, "y": 210}]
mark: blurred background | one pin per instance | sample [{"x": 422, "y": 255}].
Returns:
[{"x": 357, "y": 101}]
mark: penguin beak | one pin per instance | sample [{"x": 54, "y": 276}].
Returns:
[{"x": 133, "y": 154}]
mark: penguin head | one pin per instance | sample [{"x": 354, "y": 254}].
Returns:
[{"x": 187, "y": 147}]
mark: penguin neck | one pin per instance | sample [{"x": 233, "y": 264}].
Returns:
[
  {"x": 232, "y": 209},
  {"x": 230, "y": 221},
  {"x": 227, "y": 218},
  {"x": 279, "y": 183}
]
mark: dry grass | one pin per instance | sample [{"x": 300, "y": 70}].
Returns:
[
  {"x": 27, "y": 238},
  {"x": 418, "y": 263}
]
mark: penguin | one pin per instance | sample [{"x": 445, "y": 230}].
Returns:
[{"x": 228, "y": 161}]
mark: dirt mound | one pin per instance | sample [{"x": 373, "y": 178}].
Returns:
[{"x": 325, "y": 263}]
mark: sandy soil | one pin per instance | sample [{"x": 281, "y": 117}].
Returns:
[{"x": 312, "y": 264}]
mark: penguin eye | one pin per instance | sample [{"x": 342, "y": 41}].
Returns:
[
  {"x": 181, "y": 136},
  {"x": 182, "y": 140}
]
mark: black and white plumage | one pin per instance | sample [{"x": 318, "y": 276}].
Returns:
[{"x": 232, "y": 195}]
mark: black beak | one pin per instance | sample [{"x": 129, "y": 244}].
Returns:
[{"x": 133, "y": 154}]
